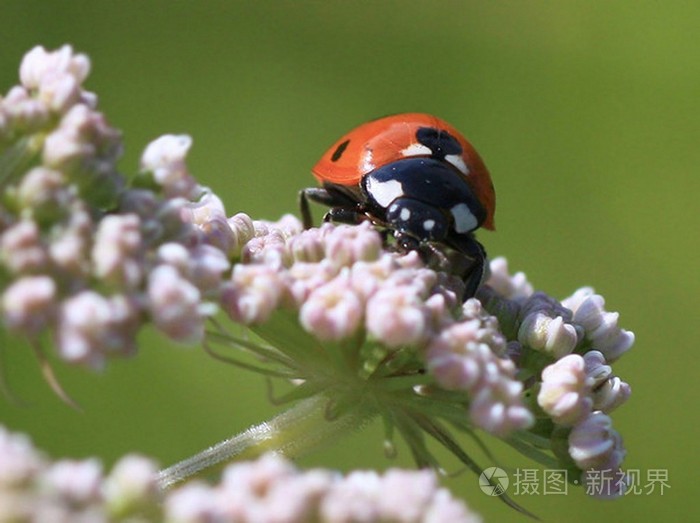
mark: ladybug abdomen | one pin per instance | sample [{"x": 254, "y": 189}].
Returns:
[{"x": 423, "y": 196}]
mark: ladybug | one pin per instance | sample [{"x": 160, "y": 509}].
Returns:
[{"x": 416, "y": 178}]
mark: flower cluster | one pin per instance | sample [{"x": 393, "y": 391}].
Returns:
[
  {"x": 86, "y": 256},
  {"x": 271, "y": 489},
  {"x": 567, "y": 348},
  {"x": 399, "y": 316},
  {"x": 34, "y": 488}
]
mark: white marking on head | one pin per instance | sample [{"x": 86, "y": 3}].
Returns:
[
  {"x": 428, "y": 225},
  {"x": 384, "y": 192},
  {"x": 465, "y": 221},
  {"x": 405, "y": 214},
  {"x": 458, "y": 162},
  {"x": 417, "y": 149}
]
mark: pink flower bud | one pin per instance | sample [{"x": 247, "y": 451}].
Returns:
[
  {"x": 566, "y": 391},
  {"x": 29, "y": 303},
  {"x": 333, "y": 311}
]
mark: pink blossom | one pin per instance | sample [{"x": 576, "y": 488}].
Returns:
[
  {"x": 91, "y": 326},
  {"x": 346, "y": 245},
  {"x": 22, "y": 249},
  {"x": 397, "y": 316},
  {"x": 594, "y": 444},
  {"x": 332, "y": 311},
  {"x": 29, "y": 303},
  {"x": 76, "y": 481},
  {"x": 116, "y": 253},
  {"x": 56, "y": 76},
  {"x": 165, "y": 158},
  {"x": 514, "y": 287},
  {"x": 175, "y": 305},
  {"x": 608, "y": 391},
  {"x": 566, "y": 390},
  {"x": 600, "y": 326},
  {"x": 253, "y": 293}
]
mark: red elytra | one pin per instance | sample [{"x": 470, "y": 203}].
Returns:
[{"x": 386, "y": 140}]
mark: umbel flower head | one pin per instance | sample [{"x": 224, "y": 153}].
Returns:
[
  {"x": 351, "y": 327},
  {"x": 515, "y": 363},
  {"x": 36, "y": 488},
  {"x": 87, "y": 256}
]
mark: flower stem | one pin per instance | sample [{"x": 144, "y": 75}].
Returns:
[{"x": 303, "y": 427}]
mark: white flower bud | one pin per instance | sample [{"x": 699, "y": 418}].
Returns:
[{"x": 549, "y": 335}]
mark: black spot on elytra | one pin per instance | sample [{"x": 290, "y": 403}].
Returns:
[
  {"x": 440, "y": 142},
  {"x": 339, "y": 151}
]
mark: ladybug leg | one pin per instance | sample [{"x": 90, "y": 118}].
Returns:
[
  {"x": 469, "y": 262},
  {"x": 315, "y": 194},
  {"x": 331, "y": 197},
  {"x": 430, "y": 254},
  {"x": 344, "y": 215},
  {"x": 461, "y": 256},
  {"x": 436, "y": 254},
  {"x": 476, "y": 276},
  {"x": 406, "y": 242}
]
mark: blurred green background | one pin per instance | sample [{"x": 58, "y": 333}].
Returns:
[{"x": 586, "y": 113}]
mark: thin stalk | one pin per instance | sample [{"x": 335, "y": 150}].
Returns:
[{"x": 302, "y": 428}]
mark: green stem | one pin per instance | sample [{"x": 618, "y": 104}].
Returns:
[
  {"x": 299, "y": 430},
  {"x": 16, "y": 158}
]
